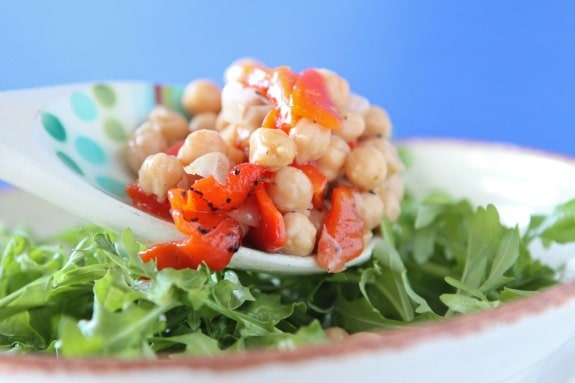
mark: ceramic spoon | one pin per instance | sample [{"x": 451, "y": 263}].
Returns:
[{"x": 64, "y": 144}]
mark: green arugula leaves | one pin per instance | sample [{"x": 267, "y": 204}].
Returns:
[{"x": 91, "y": 295}]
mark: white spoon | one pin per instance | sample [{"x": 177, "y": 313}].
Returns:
[{"x": 46, "y": 132}]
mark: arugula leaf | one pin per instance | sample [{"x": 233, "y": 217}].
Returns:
[
  {"x": 382, "y": 285},
  {"x": 91, "y": 295},
  {"x": 556, "y": 227}
]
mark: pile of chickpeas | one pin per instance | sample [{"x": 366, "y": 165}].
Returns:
[{"x": 226, "y": 129}]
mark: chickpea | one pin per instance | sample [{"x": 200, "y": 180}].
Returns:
[
  {"x": 311, "y": 140},
  {"x": 159, "y": 173},
  {"x": 235, "y": 92},
  {"x": 199, "y": 143},
  {"x": 271, "y": 148},
  {"x": 365, "y": 167},
  {"x": 171, "y": 124},
  {"x": 377, "y": 122},
  {"x": 202, "y": 96},
  {"x": 236, "y": 99},
  {"x": 243, "y": 134},
  {"x": 332, "y": 162},
  {"x": 144, "y": 141},
  {"x": 221, "y": 122},
  {"x": 337, "y": 86},
  {"x": 237, "y": 156},
  {"x": 201, "y": 121},
  {"x": 336, "y": 334},
  {"x": 391, "y": 204},
  {"x": 254, "y": 115},
  {"x": 394, "y": 163},
  {"x": 394, "y": 185},
  {"x": 357, "y": 104},
  {"x": 353, "y": 126},
  {"x": 230, "y": 134},
  {"x": 300, "y": 233},
  {"x": 291, "y": 190},
  {"x": 237, "y": 69},
  {"x": 370, "y": 208},
  {"x": 237, "y": 135}
]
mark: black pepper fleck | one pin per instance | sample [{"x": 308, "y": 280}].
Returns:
[
  {"x": 203, "y": 230},
  {"x": 234, "y": 248}
]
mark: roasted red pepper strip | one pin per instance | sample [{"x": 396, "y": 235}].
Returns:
[
  {"x": 341, "y": 238},
  {"x": 310, "y": 99},
  {"x": 271, "y": 119},
  {"x": 277, "y": 85},
  {"x": 241, "y": 181},
  {"x": 148, "y": 202},
  {"x": 215, "y": 248},
  {"x": 191, "y": 213},
  {"x": 295, "y": 96},
  {"x": 270, "y": 233},
  {"x": 187, "y": 200},
  {"x": 318, "y": 182},
  {"x": 280, "y": 92},
  {"x": 212, "y": 237}
]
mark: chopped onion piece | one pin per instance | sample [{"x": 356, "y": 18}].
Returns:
[
  {"x": 247, "y": 214},
  {"x": 214, "y": 164}
]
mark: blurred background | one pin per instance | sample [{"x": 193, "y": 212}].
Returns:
[{"x": 490, "y": 70}]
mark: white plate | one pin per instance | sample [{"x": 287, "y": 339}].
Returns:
[{"x": 519, "y": 342}]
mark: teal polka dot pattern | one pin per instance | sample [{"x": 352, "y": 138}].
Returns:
[
  {"x": 69, "y": 162},
  {"x": 84, "y": 106},
  {"x": 54, "y": 127},
  {"x": 112, "y": 186},
  {"x": 90, "y": 150},
  {"x": 88, "y": 130}
]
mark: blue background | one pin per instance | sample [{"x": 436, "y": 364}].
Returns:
[{"x": 490, "y": 70}]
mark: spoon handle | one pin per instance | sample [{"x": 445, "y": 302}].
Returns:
[{"x": 28, "y": 165}]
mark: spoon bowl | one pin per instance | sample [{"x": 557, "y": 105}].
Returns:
[{"x": 66, "y": 145}]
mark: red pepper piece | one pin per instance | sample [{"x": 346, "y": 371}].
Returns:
[
  {"x": 192, "y": 222},
  {"x": 225, "y": 197},
  {"x": 186, "y": 200},
  {"x": 341, "y": 238},
  {"x": 148, "y": 202},
  {"x": 271, "y": 119},
  {"x": 173, "y": 150},
  {"x": 310, "y": 99},
  {"x": 215, "y": 248},
  {"x": 270, "y": 233},
  {"x": 276, "y": 85},
  {"x": 318, "y": 182},
  {"x": 294, "y": 96},
  {"x": 280, "y": 92}
]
